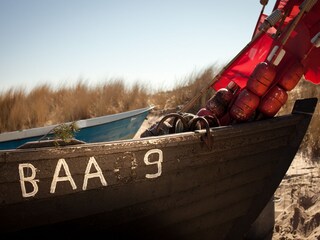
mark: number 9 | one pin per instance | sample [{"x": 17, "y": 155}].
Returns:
[{"x": 146, "y": 161}]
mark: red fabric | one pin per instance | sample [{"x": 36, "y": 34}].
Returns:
[
  {"x": 298, "y": 46},
  {"x": 312, "y": 61},
  {"x": 240, "y": 70}
]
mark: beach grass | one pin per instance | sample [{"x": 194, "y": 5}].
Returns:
[{"x": 45, "y": 105}]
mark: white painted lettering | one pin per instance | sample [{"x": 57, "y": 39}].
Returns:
[
  {"x": 160, "y": 159},
  {"x": 56, "y": 178},
  {"x": 98, "y": 173},
  {"x": 31, "y": 179}
]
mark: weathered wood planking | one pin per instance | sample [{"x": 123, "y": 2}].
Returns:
[{"x": 171, "y": 186}]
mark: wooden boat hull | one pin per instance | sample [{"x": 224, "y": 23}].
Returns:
[
  {"x": 100, "y": 129},
  {"x": 173, "y": 186}
]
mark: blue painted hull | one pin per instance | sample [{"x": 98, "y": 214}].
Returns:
[
  {"x": 120, "y": 129},
  {"x": 16, "y": 143}
]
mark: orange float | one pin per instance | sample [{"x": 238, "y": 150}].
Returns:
[
  {"x": 261, "y": 78},
  {"x": 244, "y": 106},
  {"x": 219, "y": 102},
  {"x": 273, "y": 101},
  {"x": 290, "y": 78}
]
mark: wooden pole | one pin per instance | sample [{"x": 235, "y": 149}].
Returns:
[{"x": 189, "y": 105}]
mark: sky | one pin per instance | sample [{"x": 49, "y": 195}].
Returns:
[{"x": 155, "y": 42}]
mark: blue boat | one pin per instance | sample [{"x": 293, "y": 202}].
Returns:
[{"x": 118, "y": 126}]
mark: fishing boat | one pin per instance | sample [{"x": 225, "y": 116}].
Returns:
[
  {"x": 208, "y": 183},
  {"x": 98, "y": 129},
  {"x": 190, "y": 176}
]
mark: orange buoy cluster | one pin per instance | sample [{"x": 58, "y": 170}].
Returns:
[
  {"x": 265, "y": 93},
  {"x": 266, "y": 90}
]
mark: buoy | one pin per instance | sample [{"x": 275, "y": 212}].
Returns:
[
  {"x": 273, "y": 101},
  {"x": 219, "y": 102},
  {"x": 291, "y": 76},
  {"x": 261, "y": 78},
  {"x": 244, "y": 106},
  {"x": 207, "y": 114}
]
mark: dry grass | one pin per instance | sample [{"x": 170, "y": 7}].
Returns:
[
  {"x": 44, "y": 105},
  {"x": 185, "y": 90}
]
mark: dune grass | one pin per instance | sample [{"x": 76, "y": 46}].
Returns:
[{"x": 45, "y": 105}]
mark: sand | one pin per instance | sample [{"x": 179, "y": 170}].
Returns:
[{"x": 297, "y": 202}]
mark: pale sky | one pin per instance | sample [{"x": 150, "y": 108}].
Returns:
[{"x": 153, "y": 42}]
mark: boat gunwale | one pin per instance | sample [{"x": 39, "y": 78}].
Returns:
[
  {"x": 118, "y": 146},
  {"x": 82, "y": 124}
]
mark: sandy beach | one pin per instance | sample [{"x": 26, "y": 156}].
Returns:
[{"x": 297, "y": 202}]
